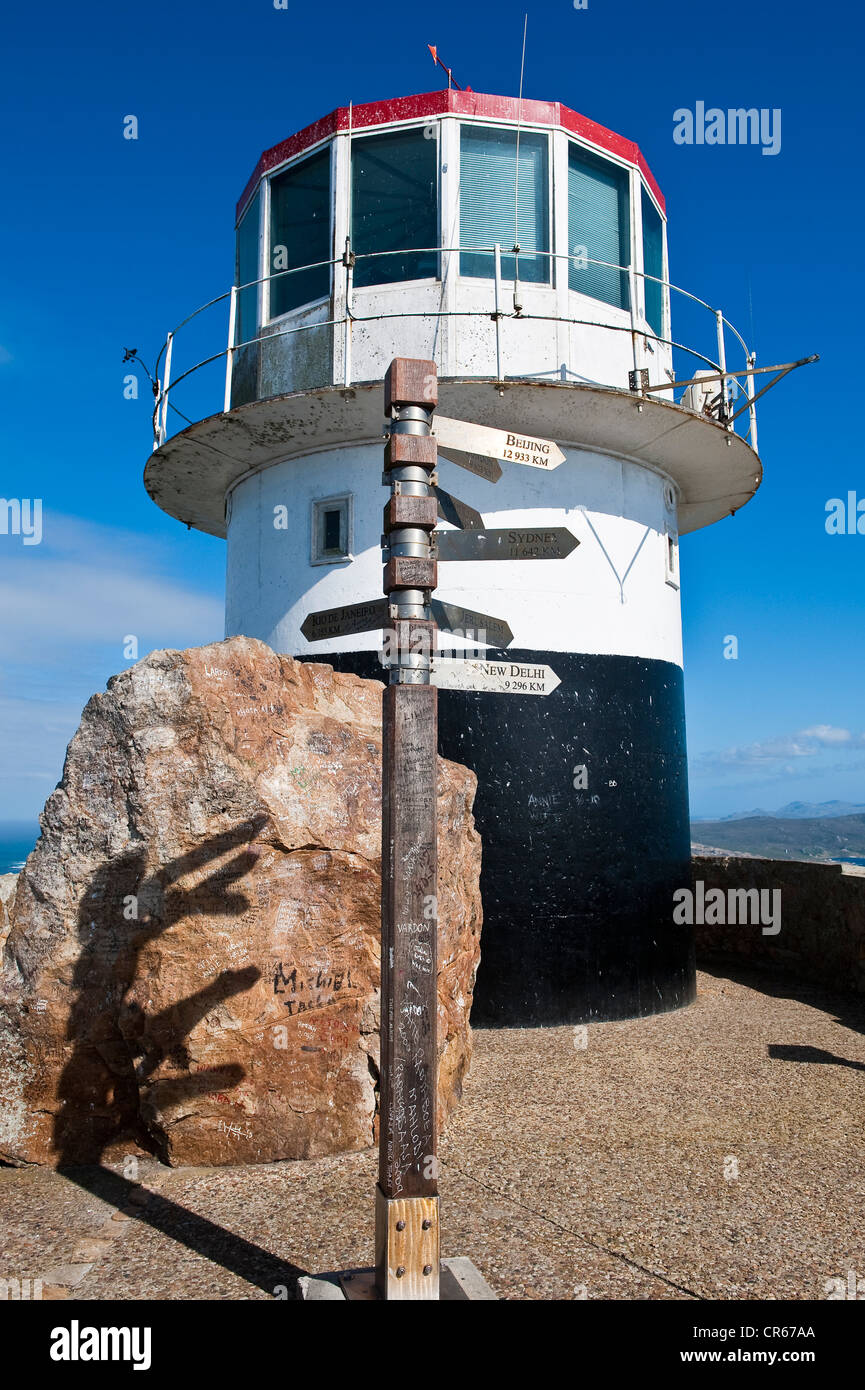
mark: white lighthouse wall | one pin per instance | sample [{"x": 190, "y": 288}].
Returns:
[{"x": 610, "y": 596}]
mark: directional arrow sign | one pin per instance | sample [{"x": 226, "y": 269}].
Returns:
[
  {"x": 474, "y": 463},
  {"x": 366, "y": 617},
  {"x": 344, "y": 622},
  {"x": 497, "y": 677},
  {"x": 511, "y": 543},
  {"x": 512, "y": 446},
  {"x": 452, "y": 618},
  {"x": 458, "y": 513}
]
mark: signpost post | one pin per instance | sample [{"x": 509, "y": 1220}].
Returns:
[
  {"x": 407, "y": 1204},
  {"x": 407, "y": 1239}
]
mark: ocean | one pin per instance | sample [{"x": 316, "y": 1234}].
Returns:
[{"x": 17, "y": 838}]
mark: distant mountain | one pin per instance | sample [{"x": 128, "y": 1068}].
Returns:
[
  {"x": 822, "y": 810},
  {"x": 794, "y": 810},
  {"x": 823, "y": 837}
]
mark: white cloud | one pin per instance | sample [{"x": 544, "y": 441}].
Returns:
[
  {"x": 90, "y": 586},
  {"x": 773, "y": 755},
  {"x": 825, "y": 733},
  {"x": 67, "y": 605}
]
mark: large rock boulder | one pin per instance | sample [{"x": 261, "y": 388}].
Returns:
[{"x": 192, "y": 965}]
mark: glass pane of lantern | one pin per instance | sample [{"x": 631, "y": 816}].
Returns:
[
  {"x": 394, "y": 206},
  {"x": 489, "y": 194},
  {"x": 598, "y": 227},
  {"x": 300, "y": 234},
  {"x": 653, "y": 262},
  {"x": 246, "y": 268}
]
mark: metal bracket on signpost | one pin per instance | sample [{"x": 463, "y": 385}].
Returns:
[{"x": 407, "y": 1241}]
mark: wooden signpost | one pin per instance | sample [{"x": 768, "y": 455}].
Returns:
[
  {"x": 407, "y": 1240},
  {"x": 407, "y": 1204}
]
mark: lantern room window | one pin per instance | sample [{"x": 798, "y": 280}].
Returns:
[
  {"x": 300, "y": 234},
  {"x": 246, "y": 272},
  {"x": 394, "y": 206},
  {"x": 653, "y": 263},
  {"x": 599, "y": 227},
  {"x": 497, "y": 207}
]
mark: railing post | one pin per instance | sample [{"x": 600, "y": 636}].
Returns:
[
  {"x": 722, "y": 364},
  {"x": 348, "y": 260},
  {"x": 166, "y": 383},
  {"x": 752, "y": 409},
  {"x": 229, "y": 356},
  {"x": 632, "y": 295},
  {"x": 497, "y": 259}
]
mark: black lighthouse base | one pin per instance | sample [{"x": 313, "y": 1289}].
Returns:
[{"x": 582, "y": 807}]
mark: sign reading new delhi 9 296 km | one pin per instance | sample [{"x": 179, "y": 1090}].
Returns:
[{"x": 493, "y": 677}]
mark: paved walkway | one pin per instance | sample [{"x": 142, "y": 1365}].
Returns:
[{"x": 711, "y": 1153}]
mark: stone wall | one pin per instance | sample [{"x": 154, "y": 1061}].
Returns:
[{"x": 822, "y": 935}]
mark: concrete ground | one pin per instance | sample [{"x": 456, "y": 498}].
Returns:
[{"x": 713, "y": 1153}]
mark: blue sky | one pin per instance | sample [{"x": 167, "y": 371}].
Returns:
[{"x": 106, "y": 243}]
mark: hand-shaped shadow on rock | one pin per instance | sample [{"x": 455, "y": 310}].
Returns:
[{"x": 99, "y": 1085}]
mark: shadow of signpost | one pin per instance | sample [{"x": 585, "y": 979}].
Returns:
[
  {"x": 99, "y": 1085},
  {"x": 804, "y": 1052}
]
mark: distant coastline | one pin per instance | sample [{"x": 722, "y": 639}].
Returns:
[
  {"x": 17, "y": 839},
  {"x": 838, "y": 839}
]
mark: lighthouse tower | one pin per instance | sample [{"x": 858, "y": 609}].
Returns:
[{"x": 521, "y": 247}]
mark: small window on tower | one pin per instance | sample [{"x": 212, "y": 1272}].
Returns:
[{"x": 331, "y": 530}]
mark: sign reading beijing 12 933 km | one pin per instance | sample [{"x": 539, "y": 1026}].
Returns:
[
  {"x": 496, "y": 677},
  {"x": 509, "y": 543},
  {"x": 510, "y": 445}
]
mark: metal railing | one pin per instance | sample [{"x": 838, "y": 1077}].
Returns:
[{"x": 638, "y": 327}]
